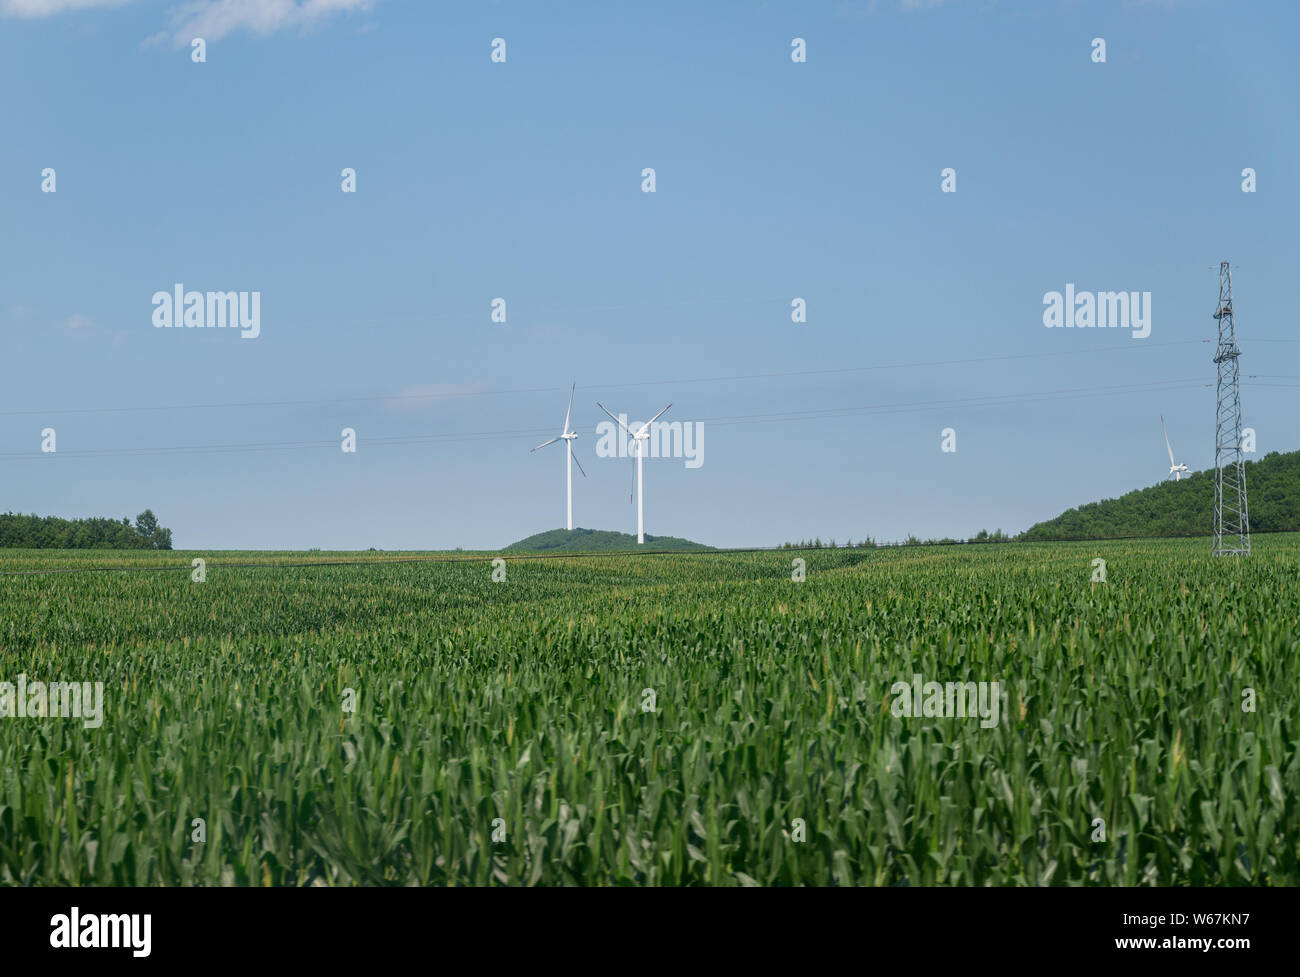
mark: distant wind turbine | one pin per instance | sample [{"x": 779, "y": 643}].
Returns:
[
  {"x": 639, "y": 437},
  {"x": 568, "y": 437},
  {"x": 1176, "y": 470}
]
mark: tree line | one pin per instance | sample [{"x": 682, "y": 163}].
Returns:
[
  {"x": 983, "y": 536},
  {"x": 35, "y": 532}
]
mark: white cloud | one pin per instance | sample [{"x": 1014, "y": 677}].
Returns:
[
  {"x": 855, "y": 9},
  {"x": 213, "y": 19},
  {"x": 82, "y": 328},
  {"x": 32, "y": 9},
  {"x": 209, "y": 19},
  {"x": 418, "y": 397}
]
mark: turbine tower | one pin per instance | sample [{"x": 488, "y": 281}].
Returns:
[
  {"x": 1231, "y": 520},
  {"x": 568, "y": 437},
  {"x": 640, "y": 437}
]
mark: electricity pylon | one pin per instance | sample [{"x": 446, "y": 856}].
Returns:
[{"x": 1231, "y": 520}]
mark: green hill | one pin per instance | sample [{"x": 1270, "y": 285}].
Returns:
[
  {"x": 1185, "y": 508},
  {"x": 596, "y": 541}
]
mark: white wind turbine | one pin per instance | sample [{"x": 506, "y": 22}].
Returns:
[
  {"x": 1176, "y": 470},
  {"x": 639, "y": 437},
  {"x": 568, "y": 437}
]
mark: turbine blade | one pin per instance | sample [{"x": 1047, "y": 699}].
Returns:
[
  {"x": 632, "y": 488},
  {"x": 570, "y": 408},
  {"x": 646, "y": 425},
  {"x": 579, "y": 464},
  {"x": 543, "y": 445},
  {"x": 1168, "y": 446},
  {"x": 613, "y": 418}
]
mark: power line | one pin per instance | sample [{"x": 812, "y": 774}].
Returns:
[
  {"x": 435, "y": 396},
  {"x": 989, "y": 400}
]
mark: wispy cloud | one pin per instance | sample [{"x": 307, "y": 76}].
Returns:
[
  {"x": 215, "y": 19},
  {"x": 82, "y": 328},
  {"x": 209, "y": 19},
  {"x": 418, "y": 397},
  {"x": 855, "y": 9},
  {"x": 33, "y": 9}
]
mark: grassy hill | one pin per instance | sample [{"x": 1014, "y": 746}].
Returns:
[
  {"x": 596, "y": 541},
  {"x": 1185, "y": 508}
]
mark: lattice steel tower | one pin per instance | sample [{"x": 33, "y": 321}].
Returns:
[{"x": 1231, "y": 520}]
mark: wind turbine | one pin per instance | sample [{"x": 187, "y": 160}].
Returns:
[
  {"x": 639, "y": 437},
  {"x": 568, "y": 437},
  {"x": 1176, "y": 470}
]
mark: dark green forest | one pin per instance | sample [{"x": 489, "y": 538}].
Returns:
[
  {"x": 1186, "y": 507},
  {"x": 50, "y": 532}
]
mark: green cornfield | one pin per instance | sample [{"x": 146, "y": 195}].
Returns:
[{"x": 697, "y": 719}]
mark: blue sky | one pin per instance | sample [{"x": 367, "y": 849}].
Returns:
[{"x": 522, "y": 180}]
